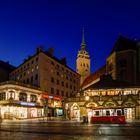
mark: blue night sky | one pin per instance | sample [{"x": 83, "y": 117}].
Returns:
[{"x": 25, "y": 24}]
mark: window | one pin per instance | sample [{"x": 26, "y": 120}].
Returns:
[
  {"x": 23, "y": 97},
  {"x": 67, "y": 94},
  {"x": 2, "y": 96},
  {"x": 62, "y": 93},
  {"x": 57, "y": 91},
  {"x": 32, "y": 79},
  {"x": 57, "y": 82},
  {"x": 11, "y": 94},
  {"x": 97, "y": 113},
  {"x": 107, "y": 113},
  {"x": 52, "y": 79},
  {"x": 57, "y": 66},
  {"x": 62, "y": 83},
  {"x": 36, "y": 59},
  {"x": 33, "y": 98},
  {"x": 52, "y": 63},
  {"x": 66, "y": 85},
  {"x": 52, "y": 90},
  {"x": 36, "y": 77}
]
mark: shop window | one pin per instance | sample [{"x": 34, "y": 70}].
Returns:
[
  {"x": 2, "y": 96},
  {"x": 33, "y": 98},
  {"x": 23, "y": 97}
]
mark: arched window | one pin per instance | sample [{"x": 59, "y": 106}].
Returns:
[
  {"x": 11, "y": 95},
  {"x": 23, "y": 97},
  {"x": 2, "y": 96},
  {"x": 33, "y": 98}
]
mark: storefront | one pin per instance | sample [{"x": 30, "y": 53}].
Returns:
[
  {"x": 20, "y": 112},
  {"x": 53, "y": 105}
]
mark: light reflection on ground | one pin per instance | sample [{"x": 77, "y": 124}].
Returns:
[{"x": 27, "y": 136}]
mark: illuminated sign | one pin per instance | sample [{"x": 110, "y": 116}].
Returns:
[
  {"x": 56, "y": 98},
  {"x": 45, "y": 96},
  {"x": 50, "y": 97},
  {"x": 27, "y": 104}
]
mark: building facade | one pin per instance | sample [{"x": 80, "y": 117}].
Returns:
[
  {"x": 124, "y": 63},
  {"x": 22, "y": 101},
  {"x": 83, "y": 61},
  {"x": 52, "y": 75},
  {"x": 106, "y": 98}
]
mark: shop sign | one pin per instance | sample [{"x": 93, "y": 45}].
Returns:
[
  {"x": 56, "y": 98},
  {"x": 27, "y": 104},
  {"x": 45, "y": 96},
  {"x": 50, "y": 97}
]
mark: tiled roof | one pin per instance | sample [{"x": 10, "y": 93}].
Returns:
[
  {"x": 124, "y": 43},
  {"x": 94, "y": 76},
  {"x": 107, "y": 82}
]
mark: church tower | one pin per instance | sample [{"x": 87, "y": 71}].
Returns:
[{"x": 83, "y": 61}]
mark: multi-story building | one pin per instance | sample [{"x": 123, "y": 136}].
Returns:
[
  {"x": 22, "y": 101},
  {"x": 83, "y": 61},
  {"x": 52, "y": 75},
  {"x": 5, "y": 70},
  {"x": 124, "y": 61}
]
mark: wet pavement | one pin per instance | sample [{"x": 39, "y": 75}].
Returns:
[{"x": 67, "y": 130}]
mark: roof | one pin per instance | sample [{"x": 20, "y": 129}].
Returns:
[
  {"x": 6, "y": 66},
  {"x": 61, "y": 61},
  {"x": 94, "y": 76},
  {"x": 124, "y": 43},
  {"x": 106, "y": 82}
]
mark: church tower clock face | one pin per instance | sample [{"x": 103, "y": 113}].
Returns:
[{"x": 83, "y": 61}]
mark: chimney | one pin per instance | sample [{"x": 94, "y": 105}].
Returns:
[
  {"x": 64, "y": 61},
  {"x": 51, "y": 51},
  {"x": 39, "y": 49}
]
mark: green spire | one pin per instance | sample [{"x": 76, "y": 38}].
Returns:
[{"x": 83, "y": 45}]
